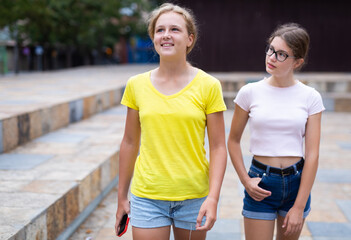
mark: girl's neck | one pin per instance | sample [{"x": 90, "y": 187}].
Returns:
[
  {"x": 173, "y": 68},
  {"x": 286, "y": 81},
  {"x": 171, "y": 78}
]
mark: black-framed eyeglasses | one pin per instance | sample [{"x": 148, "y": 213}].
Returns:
[{"x": 281, "y": 56}]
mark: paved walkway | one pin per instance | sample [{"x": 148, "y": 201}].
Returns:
[
  {"x": 330, "y": 217},
  {"x": 58, "y": 155}
]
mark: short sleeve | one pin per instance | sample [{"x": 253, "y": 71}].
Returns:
[
  {"x": 215, "y": 101},
  {"x": 243, "y": 98},
  {"x": 128, "y": 98},
  {"x": 315, "y": 103}
]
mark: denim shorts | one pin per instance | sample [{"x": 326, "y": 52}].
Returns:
[
  {"x": 150, "y": 213},
  {"x": 284, "y": 189}
]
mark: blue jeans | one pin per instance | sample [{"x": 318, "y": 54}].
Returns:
[
  {"x": 151, "y": 213},
  {"x": 284, "y": 189}
]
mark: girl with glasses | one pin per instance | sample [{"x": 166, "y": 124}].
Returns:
[{"x": 284, "y": 116}]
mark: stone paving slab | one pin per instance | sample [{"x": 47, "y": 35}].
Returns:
[
  {"x": 330, "y": 218},
  {"x": 17, "y": 161}
]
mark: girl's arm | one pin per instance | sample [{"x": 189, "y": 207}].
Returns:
[
  {"x": 218, "y": 163},
  {"x": 239, "y": 122},
  {"x": 294, "y": 219},
  {"x": 127, "y": 156}
]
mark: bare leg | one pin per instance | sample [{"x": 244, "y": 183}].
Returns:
[
  {"x": 258, "y": 229},
  {"x": 280, "y": 231},
  {"x": 161, "y": 233},
  {"x": 184, "y": 234}
]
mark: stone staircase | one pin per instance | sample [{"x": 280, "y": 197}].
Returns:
[
  {"x": 59, "y": 141},
  {"x": 60, "y": 137}
]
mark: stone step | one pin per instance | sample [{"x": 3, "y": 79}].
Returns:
[
  {"x": 49, "y": 185},
  {"x": 337, "y": 102},
  {"x": 35, "y": 104},
  {"x": 322, "y": 82}
]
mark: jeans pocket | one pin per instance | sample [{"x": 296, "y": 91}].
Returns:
[
  {"x": 262, "y": 184},
  {"x": 254, "y": 174}
]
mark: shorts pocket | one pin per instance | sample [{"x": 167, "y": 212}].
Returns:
[
  {"x": 262, "y": 184},
  {"x": 253, "y": 173},
  {"x": 257, "y": 173}
]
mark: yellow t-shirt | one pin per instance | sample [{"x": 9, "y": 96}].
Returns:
[{"x": 172, "y": 163}]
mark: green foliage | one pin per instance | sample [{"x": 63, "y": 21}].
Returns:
[{"x": 82, "y": 24}]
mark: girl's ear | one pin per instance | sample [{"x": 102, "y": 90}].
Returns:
[
  {"x": 298, "y": 63},
  {"x": 190, "y": 40}
]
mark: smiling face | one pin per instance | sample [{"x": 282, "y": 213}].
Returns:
[
  {"x": 171, "y": 37},
  {"x": 285, "y": 68}
]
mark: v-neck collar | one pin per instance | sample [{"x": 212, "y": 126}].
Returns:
[{"x": 177, "y": 93}]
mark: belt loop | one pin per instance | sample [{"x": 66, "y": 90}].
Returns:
[
  {"x": 295, "y": 169},
  {"x": 267, "y": 169}
]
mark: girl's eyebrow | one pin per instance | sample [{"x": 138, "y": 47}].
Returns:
[
  {"x": 280, "y": 50},
  {"x": 173, "y": 25}
]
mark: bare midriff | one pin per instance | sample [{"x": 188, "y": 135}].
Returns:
[{"x": 278, "y": 162}]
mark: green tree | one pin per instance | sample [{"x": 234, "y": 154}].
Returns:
[{"x": 81, "y": 25}]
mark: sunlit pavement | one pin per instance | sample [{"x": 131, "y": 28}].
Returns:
[
  {"x": 64, "y": 156},
  {"x": 331, "y": 196}
]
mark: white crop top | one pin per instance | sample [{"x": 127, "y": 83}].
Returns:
[{"x": 278, "y": 116}]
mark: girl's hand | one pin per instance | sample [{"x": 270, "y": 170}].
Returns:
[
  {"x": 123, "y": 207},
  {"x": 208, "y": 209},
  {"x": 256, "y": 192},
  {"x": 293, "y": 221}
]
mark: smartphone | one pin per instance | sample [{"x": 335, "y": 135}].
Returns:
[{"x": 123, "y": 225}]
